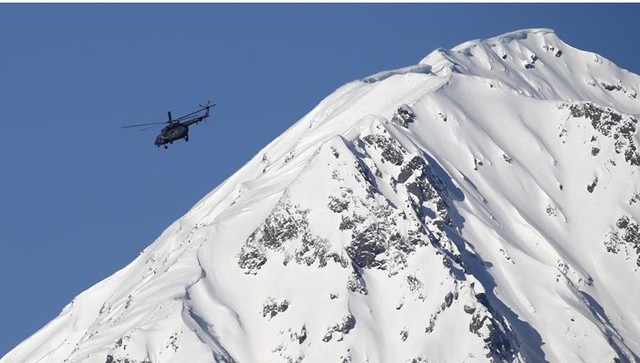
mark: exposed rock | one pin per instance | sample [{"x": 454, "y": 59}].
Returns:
[
  {"x": 286, "y": 231},
  {"x": 621, "y": 128},
  {"x": 303, "y": 334},
  {"x": 489, "y": 325},
  {"x": 251, "y": 258},
  {"x": 404, "y": 334},
  {"x": 338, "y": 205},
  {"x": 356, "y": 283},
  {"x": 271, "y": 307},
  {"x": 367, "y": 245},
  {"x": 391, "y": 150},
  {"x": 469, "y": 309},
  {"x": 626, "y": 238},
  {"x": 403, "y": 116},
  {"x": 592, "y": 186},
  {"x": 347, "y": 324},
  {"x": 611, "y": 87}
]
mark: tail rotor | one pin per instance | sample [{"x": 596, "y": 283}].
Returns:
[{"x": 206, "y": 107}]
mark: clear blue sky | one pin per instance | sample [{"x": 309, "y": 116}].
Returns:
[{"x": 80, "y": 197}]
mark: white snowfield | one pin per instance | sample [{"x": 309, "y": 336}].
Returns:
[{"x": 483, "y": 205}]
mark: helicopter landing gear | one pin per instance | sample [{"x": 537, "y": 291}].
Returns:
[
  {"x": 186, "y": 138},
  {"x": 165, "y": 146}
]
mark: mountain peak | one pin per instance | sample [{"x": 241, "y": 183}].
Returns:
[
  {"x": 480, "y": 205},
  {"x": 535, "y": 63},
  {"x": 522, "y": 34}
]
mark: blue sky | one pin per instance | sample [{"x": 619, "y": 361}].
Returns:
[{"x": 80, "y": 197}]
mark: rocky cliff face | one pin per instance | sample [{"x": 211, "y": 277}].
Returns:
[{"x": 479, "y": 206}]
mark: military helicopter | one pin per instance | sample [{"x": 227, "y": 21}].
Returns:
[{"x": 177, "y": 128}]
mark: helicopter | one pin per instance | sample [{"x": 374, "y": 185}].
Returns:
[{"x": 177, "y": 128}]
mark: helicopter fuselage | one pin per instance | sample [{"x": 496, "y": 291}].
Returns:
[
  {"x": 171, "y": 133},
  {"x": 178, "y": 128}
]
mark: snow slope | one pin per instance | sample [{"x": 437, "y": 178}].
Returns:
[{"x": 482, "y": 205}]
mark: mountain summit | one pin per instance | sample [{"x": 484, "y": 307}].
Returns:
[{"x": 482, "y": 205}]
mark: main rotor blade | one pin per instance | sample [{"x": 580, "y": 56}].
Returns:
[
  {"x": 194, "y": 112},
  {"x": 183, "y": 117},
  {"x": 148, "y": 124},
  {"x": 150, "y": 127}
]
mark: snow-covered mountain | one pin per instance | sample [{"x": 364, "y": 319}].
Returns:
[{"x": 482, "y": 205}]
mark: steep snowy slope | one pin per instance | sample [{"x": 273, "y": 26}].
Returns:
[{"x": 483, "y": 205}]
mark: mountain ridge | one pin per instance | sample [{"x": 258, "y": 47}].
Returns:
[{"x": 480, "y": 205}]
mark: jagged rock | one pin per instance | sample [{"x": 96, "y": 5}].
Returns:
[
  {"x": 366, "y": 246},
  {"x": 626, "y": 237},
  {"x": 286, "y": 231},
  {"x": 391, "y": 150},
  {"x": 271, "y": 308},
  {"x": 404, "y": 116},
  {"x": 469, "y": 309},
  {"x": 356, "y": 283},
  {"x": 338, "y": 205},
  {"x": 347, "y": 324},
  {"x": 477, "y": 322},
  {"x": 613, "y": 125},
  {"x": 592, "y": 186},
  {"x": 448, "y": 299},
  {"x": 251, "y": 259}
]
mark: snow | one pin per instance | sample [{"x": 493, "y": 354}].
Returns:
[{"x": 454, "y": 210}]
